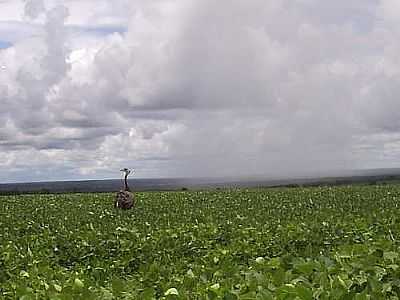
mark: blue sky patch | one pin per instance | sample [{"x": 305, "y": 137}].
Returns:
[
  {"x": 107, "y": 30},
  {"x": 5, "y": 44},
  {"x": 100, "y": 30}
]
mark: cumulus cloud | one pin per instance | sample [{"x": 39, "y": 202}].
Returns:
[{"x": 200, "y": 88}]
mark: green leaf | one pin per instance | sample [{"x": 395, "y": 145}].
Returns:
[
  {"x": 304, "y": 293},
  {"x": 57, "y": 287},
  {"x": 305, "y": 268},
  {"x": 230, "y": 296},
  {"x": 24, "y": 274},
  {"x": 148, "y": 294},
  {"x": 264, "y": 295},
  {"x": 171, "y": 291},
  {"x": 78, "y": 284}
]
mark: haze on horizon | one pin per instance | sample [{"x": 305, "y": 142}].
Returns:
[{"x": 197, "y": 88}]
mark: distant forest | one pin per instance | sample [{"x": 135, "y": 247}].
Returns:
[{"x": 176, "y": 184}]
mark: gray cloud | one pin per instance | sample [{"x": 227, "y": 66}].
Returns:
[
  {"x": 202, "y": 88},
  {"x": 34, "y": 8}
]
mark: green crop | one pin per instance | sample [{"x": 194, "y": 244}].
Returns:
[{"x": 300, "y": 243}]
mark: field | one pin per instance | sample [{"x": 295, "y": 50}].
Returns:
[{"x": 299, "y": 243}]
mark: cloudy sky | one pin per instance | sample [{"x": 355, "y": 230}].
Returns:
[{"x": 197, "y": 87}]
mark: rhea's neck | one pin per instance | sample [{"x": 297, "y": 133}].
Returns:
[{"x": 126, "y": 183}]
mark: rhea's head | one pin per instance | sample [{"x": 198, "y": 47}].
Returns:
[{"x": 126, "y": 171}]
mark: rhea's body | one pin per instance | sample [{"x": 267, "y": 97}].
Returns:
[{"x": 124, "y": 198}]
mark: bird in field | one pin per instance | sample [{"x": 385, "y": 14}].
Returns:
[{"x": 124, "y": 198}]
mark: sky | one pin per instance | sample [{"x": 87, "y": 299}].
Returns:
[{"x": 197, "y": 88}]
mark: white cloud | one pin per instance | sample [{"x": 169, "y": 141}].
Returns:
[{"x": 200, "y": 87}]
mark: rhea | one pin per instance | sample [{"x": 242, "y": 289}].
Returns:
[{"x": 124, "y": 198}]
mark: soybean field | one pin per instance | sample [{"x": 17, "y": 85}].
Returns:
[{"x": 283, "y": 243}]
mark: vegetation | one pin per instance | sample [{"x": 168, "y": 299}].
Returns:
[{"x": 298, "y": 243}]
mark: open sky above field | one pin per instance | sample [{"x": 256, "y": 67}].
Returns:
[{"x": 197, "y": 87}]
